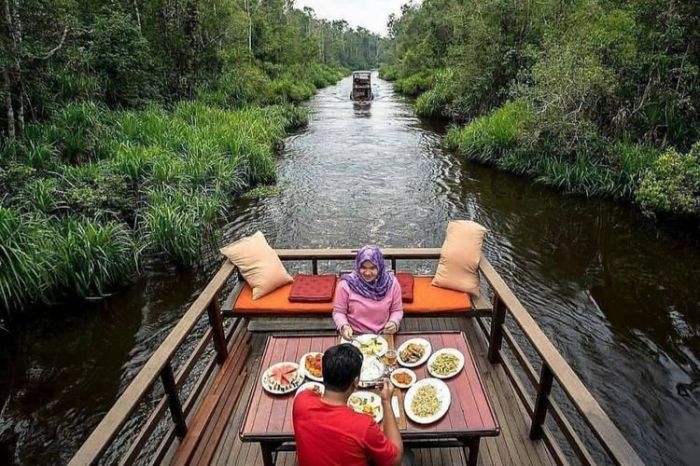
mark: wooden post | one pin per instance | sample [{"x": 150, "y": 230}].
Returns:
[
  {"x": 498, "y": 317},
  {"x": 314, "y": 266},
  {"x": 541, "y": 402},
  {"x": 168, "y": 378},
  {"x": 393, "y": 265},
  {"x": 214, "y": 312}
]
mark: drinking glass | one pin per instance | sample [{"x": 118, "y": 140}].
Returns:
[{"x": 390, "y": 357}]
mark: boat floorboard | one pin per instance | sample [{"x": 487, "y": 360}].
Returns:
[{"x": 512, "y": 447}]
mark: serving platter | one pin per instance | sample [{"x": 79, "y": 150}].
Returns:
[
  {"x": 455, "y": 358},
  {"x": 281, "y": 378},
  {"x": 369, "y": 403},
  {"x": 409, "y": 347},
  {"x": 418, "y": 392},
  {"x": 371, "y": 344},
  {"x": 309, "y": 373}
]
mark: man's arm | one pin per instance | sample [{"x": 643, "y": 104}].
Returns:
[{"x": 389, "y": 425}]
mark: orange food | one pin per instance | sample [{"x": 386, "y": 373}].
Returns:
[
  {"x": 313, "y": 364},
  {"x": 402, "y": 378}
]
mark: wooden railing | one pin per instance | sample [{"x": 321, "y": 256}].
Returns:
[{"x": 554, "y": 368}]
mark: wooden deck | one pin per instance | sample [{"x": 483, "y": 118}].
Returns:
[{"x": 512, "y": 447}]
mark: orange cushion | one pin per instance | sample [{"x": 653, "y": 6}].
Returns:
[
  {"x": 427, "y": 299},
  {"x": 312, "y": 288}
]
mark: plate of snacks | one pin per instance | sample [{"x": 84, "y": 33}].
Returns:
[
  {"x": 281, "y": 378},
  {"x": 315, "y": 387},
  {"x": 367, "y": 403},
  {"x": 371, "y": 344},
  {"x": 403, "y": 378},
  {"x": 427, "y": 401},
  {"x": 310, "y": 364},
  {"x": 445, "y": 363},
  {"x": 414, "y": 352}
]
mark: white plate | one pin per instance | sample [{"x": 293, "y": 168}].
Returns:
[
  {"x": 302, "y": 367},
  {"x": 366, "y": 338},
  {"x": 443, "y": 394},
  {"x": 309, "y": 386},
  {"x": 371, "y": 371},
  {"x": 421, "y": 341},
  {"x": 293, "y": 385},
  {"x": 452, "y": 351},
  {"x": 404, "y": 371},
  {"x": 372, "y": 398}
]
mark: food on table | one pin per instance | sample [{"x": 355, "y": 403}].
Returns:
[
  {"x": 282, "y": 377},
  {"x": 402, "y": 378},
  {"x": 314, "y": 387},
  {"x": 312, "y": 364},
  {"x": 371, "y": 370},
  {"x": 371, "y": 347},
  {"x": 426, "y": 402},
  {"x": 445, "y": 364},
  {"x": 364, "y": 405},
  {"x": 412, "y": 352}
]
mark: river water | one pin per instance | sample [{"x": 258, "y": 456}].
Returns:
[{"x": 619, "y": 297}]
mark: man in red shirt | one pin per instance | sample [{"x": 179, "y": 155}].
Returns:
[{"x": 329, "y": 433}]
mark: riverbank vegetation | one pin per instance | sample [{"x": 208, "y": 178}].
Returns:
[
  {"x": 600, "y": 97},
  {"x": 129, "y": 127}
]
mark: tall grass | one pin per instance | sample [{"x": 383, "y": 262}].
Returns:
[
  {"x": 415, "y": 84},
  {"x": 434, "y": 102}
]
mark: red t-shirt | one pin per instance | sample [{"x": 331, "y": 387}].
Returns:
[{"x": 328, "y": 435}]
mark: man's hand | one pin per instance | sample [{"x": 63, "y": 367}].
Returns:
[
  {"x": 387, "y": 390},
  {"x": 346, "y": 332},
  {"x": 390, "y": 328}
]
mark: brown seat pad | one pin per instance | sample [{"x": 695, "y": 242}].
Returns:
[
  {"x": 312, "y": 288},
  {"x": 427, "y": 299}
]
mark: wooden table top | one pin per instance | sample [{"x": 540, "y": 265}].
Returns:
[{"x": 269, "y": 417}]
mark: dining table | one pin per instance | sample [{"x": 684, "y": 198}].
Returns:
[{"x": 469, "y": 417}]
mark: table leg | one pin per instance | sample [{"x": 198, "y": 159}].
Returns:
[
  {"x": 267, "y": 448},
  {"x": 473, "y": 445}
]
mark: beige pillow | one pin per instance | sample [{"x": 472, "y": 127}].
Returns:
[
  {"x": 258, "y": 263},
  {"x": 458, "y": 268}
]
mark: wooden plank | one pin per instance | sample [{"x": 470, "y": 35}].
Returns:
[
  {"x": 291, "y": 324},
  {"x": 610, "y": 437},
  {"x": 116, "y": 417},
  {"x": 349, "y": 254}
]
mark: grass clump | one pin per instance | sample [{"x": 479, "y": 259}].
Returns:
[
  {"x": 435, "y": 102},
  {"x": 415, "y": 84}
]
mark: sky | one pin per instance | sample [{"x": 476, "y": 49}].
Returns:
[{"x": 370, "y": 14}]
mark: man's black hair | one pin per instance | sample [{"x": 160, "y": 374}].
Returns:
[{"x": 341, "y": 365}]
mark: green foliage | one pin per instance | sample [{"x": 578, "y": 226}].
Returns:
[
  {"x": 93, "y": 256},
  {"x": 389, "y": 72},
  {"x": 27, "y": 259},
  {"x": 673, "y": 183},
  {"x": 262, "y": 191},
  {"x": 435, "y": 102},
  {"x": 415, "y": 84}
]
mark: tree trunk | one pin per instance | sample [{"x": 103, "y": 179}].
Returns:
[{"x": 7, "y": 90}]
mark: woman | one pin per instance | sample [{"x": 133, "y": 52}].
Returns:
[{"x": 368, "y": 300}]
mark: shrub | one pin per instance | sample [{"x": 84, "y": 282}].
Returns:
[
  {"x": 93, "y": 257},
  {"x": 388, "y": 72},
  {"x": 415, "y": 84},
  {"x": 673, "y": 183},
  {"x": 434, "y": 102}
]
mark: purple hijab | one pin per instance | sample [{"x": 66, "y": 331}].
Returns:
[{"x": 377, "y": 288}]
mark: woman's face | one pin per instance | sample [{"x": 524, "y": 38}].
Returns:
[{"x": 368, "y": 271}]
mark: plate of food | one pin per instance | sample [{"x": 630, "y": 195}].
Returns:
[
  {"x": 427, "y": 401},
  {"x": 282, "y": 378},
  {"x": 310, "y": 364},
  {"x": 371, "y": 372},
  {"x": 371, "y": 344},
  {"x": 311, "y": 386},
  {"x": 445, "y": 363},
  {"x": 414, "y": 352},
  {"x": 403, "y": 378},
  {"x": 367, "y": 403}
]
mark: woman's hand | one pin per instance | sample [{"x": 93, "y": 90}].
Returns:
[
  {"x": 346, "y": 332},
  {"x": 390, "y": 328}
]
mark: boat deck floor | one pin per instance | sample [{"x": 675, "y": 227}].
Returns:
[{"x": 512, "y": 447}]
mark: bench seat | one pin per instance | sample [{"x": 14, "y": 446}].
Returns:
[{"x": 427, "y": 299}]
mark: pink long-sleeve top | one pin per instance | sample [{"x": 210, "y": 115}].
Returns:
[{"x": 366, "y": 315}]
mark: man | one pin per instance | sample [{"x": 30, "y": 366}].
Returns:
[{"x": 328, "y": 432}]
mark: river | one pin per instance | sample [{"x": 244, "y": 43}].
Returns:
[{"x": 618, "y": 296}]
